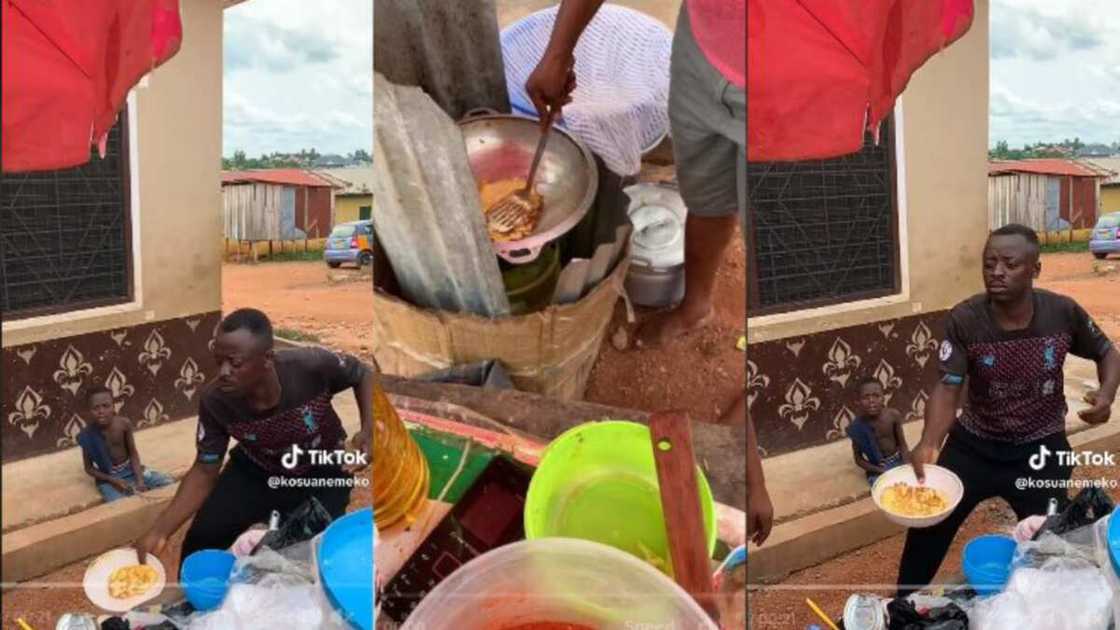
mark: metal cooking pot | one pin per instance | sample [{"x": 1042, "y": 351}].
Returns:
[
  {"x": 656, "y": 275},
  {"x": 501, "y": 146},
  {"x": 649, "y": 286}
]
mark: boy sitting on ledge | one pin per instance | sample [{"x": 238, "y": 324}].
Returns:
[
  {"x": 109, "y": 451},
  {"x": 878, "y": 441}
]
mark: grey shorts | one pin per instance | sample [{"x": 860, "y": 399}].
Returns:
[{"x": 708, "y": 118}]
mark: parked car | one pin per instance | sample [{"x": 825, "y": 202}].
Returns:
[
  {"x": 1106, "y": 235},
  {"x": 350, "y": 243}
]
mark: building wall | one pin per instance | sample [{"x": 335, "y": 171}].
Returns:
[
  {"x": 1110, "y": 198},
  {"x": 800, "y": 364},
  {"x": 1017, "y": 198},
  {"x": 160, "y": 338},
  {"x": 314, "y": 211},
  {"x": 346, "y": 207},
  {"x": 1084, "y": 200}
]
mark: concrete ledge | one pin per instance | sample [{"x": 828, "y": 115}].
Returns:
[
  {"x": 816, "y": 538},
  {"x": 54, "y": 485},
  {"x": 39, "y": 549}
]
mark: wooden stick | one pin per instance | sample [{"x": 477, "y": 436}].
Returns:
[{"x": 671, "y": 436}]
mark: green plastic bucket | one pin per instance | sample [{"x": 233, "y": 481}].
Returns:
[{"x": 598, "y": 482}]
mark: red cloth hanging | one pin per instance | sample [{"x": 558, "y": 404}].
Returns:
[
  {"x": 821, "y": 72},
  {"x": 67, "y": 68}
]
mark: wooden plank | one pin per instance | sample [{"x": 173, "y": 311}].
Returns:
[{"x": 671, "y": 436}]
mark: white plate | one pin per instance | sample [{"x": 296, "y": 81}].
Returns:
[
  {"x": 937, "y": 477},
  {"x": 96, "y": 580}
]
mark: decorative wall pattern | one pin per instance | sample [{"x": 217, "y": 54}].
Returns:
[
  {"x": 799, "y": 389},
  {"x": 154, "y": 370}
]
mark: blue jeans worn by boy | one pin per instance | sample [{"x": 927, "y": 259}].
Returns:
[
  {"x": 152, "y": 479},
  {"x": 888, "y": 463}
]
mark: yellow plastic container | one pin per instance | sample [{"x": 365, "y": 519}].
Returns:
[{"x": 400, "y": 470}]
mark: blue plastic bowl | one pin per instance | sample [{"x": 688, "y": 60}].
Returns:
[
  {"x": 987, "y": 563},
  {"x": 205, "y": 577},
  {"x": 346, "y": 568}
]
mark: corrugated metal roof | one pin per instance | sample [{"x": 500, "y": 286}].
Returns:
[
  {"x": 1070, "y": 168},
  {"x": 355, "y": 180},
  {"x": 284, "y": 176},
  {"x": 1109, "y": 164}
]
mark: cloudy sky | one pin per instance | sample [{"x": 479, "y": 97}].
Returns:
[
  {"x": 297, "y": 76},
  {"x": 297, "y": 73},
  {"x": 1055, "y": 70}
]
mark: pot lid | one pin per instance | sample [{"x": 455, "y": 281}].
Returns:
[{"x": 657, "y": 213}]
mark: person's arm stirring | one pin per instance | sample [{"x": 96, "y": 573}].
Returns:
[{"x": 553, "y": 80}]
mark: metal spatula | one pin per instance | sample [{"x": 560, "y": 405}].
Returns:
[{"x": 522, "y": 205}]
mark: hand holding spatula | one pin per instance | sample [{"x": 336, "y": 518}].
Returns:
[{"x": 522, "y": 207}]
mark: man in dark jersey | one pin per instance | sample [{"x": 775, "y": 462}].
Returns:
[
  {"x": 270, "y": 402},
  {"x": 1010, "y": 344}
]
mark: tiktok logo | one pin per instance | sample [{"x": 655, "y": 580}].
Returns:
[
  {"x": 291, "y": 458},
  {"x": 1038, "y": 460}
]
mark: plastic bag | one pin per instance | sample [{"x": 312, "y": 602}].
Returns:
[
  {"x": 272, "y": 590},
  {"x": 1063, "y": 594},
  {"x": 1077, "y": 546},
  {"x": 247, "y": 542},
  {"x": 1069, "y": 534},
  {"x": 904, "y": 615},
  {"x": 1104, "y": 560},
  {"x": 730, "y": 584},
  {"x": 488, "y": 374},
  {"x": 1089, "y": 506},
  {"x": 1028, "y": 528},
  {"x": 305, "y": 522}
]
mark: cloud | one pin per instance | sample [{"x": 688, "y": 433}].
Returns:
[
  {"x": 1019, "y": 120},
  {"x": 298, "y": 74},
  {"x": 256, "y": 129},
  {"x": 255, "y": 43},
  {"x": 1020, "y": 30}
]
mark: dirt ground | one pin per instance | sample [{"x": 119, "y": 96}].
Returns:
[
  {"x": 1073, "y": 274},
  {"x": 332, "y": 306},
  {"x": 41, "y": 604},
  {"x": 701, "y": 373},
  {"x": 873, "y": 569}
]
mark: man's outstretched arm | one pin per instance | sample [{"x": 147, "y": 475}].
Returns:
[{"x": 941, "y": 413}]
